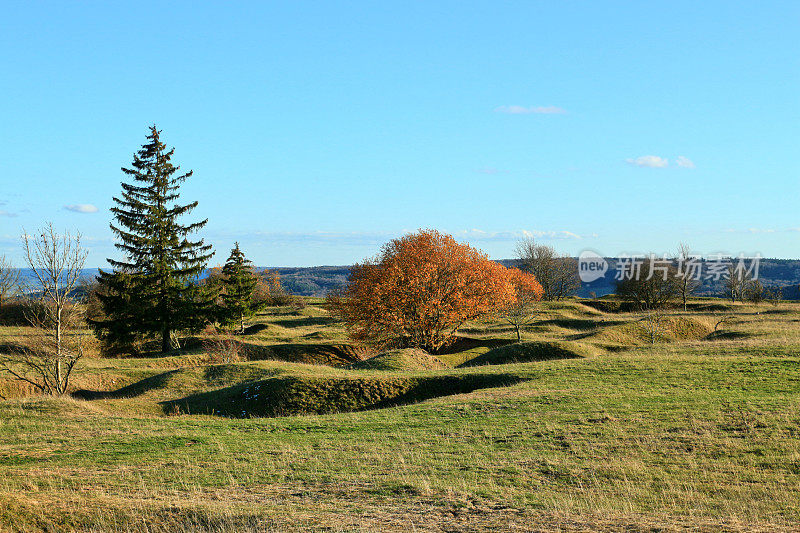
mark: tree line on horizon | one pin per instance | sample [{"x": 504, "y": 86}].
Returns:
[{"x": 417, "y": 292}]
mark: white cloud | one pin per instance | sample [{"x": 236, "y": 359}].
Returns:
[
  {"x": 683, "y": 161},
  {"x": 759, "y": 231},
  {"x": 81, "y": 208},
  {"x": 650, "y": 161},
  {"x": 378, "y": 238},
  {"x": 481, "y": 235},
  {"x": 316, "y": 237},
  {"x": 4, "y": 213},
  {"x": 521, "y": 110}
]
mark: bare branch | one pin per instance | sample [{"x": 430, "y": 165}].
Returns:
[
  {"x": 557, "y": 274},
  {"x": 51, "y": 354},
  {"x": 9, "y": 280}
]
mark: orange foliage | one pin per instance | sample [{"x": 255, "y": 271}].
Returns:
[
  {"x": 269, "y": 286},
  {"x": 421, "y": 288},
  {"x": 526, "y": 287},
  {"x": 527, "y": 291}
]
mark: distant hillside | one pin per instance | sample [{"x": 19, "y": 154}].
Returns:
[
  {"x": 773, "y": 273},
  {"x": 318, "y": 281},
  {"x": 312, "y": 281}
]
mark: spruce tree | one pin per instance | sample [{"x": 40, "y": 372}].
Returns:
[
  {"x": 153, "y": 291},
  {"x": 238, "y": 284}
]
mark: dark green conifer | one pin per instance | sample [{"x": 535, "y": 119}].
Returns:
[
  {"x": 153, "y": 291},
  {"x": 238, "y": 284}
]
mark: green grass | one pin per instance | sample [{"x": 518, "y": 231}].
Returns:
[{"x": 693, "y": 432}]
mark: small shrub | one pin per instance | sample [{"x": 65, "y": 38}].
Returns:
[{"x": 223, "y": 347}]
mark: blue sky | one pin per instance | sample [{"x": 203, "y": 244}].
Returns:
[{"x": 319, "y": 130}]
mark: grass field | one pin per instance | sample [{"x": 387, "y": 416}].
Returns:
[{"x": 587, "y": 425}]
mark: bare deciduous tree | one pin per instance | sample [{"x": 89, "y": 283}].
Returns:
[
  {"x": 687, "y": 274},
  {"x": 557, "y": 274},
  {"x": 653, "y": 287},
  {"x": 9, "y": 279},
  {"x": 755, "y": 292},
  {"x": 774, "y": 295},
  {"x": 48, "y": 360},
  {"x": 737, "y": 280}
]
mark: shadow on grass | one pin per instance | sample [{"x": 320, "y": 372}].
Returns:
[
  {"x": 11, "y": 348},
  {"x": 131, "y": 391},
  {"x": 580, "y": 324},
  {"x": 526, "y": 352},
  {"x": 218, "y": 375},
  {"x": 305, "y": 321},
  {"x": 727, "y": 336},
  {"x": 463, "y": 344},
  {"x": 779, "y": 311},
  {"x": 255, "y": 328},
  {"x": 708, "y": 307},
  {"x": 152, "y": 349}
]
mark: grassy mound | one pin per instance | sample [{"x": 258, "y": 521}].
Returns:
[
  {"x": 663, "y": 329},
  {"x": 314, "y": 354},
  {"x": 402, "y": 359},
  {"x": 609, "y": 305},
  {"x": 286, "y": 396},
  {"x": 50, "y": 406},
  {"x": 466, "y": 348},
  {"x": 684, "y": 328},
  {"x": 571, "y": 308},
  {"x": 526, "y": 352},
  {"x": 176, "y": 382}
]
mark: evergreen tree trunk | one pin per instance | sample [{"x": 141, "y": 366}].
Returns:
[{"x": 166, "y": 340}]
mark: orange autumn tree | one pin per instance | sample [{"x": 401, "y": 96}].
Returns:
[
  {"x": 420, "y": 289},
  {"x": 527, "y": 292}
]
